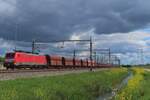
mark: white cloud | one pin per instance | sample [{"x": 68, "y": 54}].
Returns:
[
  {"x": 6, "y": 44},
  {"x": 126, "y": 45},
  {"x": 75, "y": 37},
  {"x": 7, "y": 7}
]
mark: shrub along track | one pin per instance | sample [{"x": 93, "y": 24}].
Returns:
[
  {"x": 118, "y": 87},
  {"x": 137, "y": 88}
]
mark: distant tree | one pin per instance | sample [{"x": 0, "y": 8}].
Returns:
[
  {"x": 126, "y": 66},
  {"x": 1, "y": 59}
]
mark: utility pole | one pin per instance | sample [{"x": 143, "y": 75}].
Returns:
[
  {"x": 140, "y": 56},
  {"x": 16, "y": 33},
  {"x": 95, "y": 56},
  {"x": 33, "y": 46},
  {"x": 97, "y": 60},
  {"x": 119, "y": 63},
  {"x": 74, "y": 54},
  {"x": 142, "y": 59},
  {"x": 109, "y": 56},
  {"x": 91, "y": 51}
]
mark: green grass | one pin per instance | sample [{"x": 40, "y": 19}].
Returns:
[
  {"x": 85, "y": 86},
  {"x": 138, "y": 87},
  {"x": 145, "y": 87}
]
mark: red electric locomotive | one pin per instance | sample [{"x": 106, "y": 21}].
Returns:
[
  {"x": 24, "y": 59},
  {"x": 19, "y": 59}
]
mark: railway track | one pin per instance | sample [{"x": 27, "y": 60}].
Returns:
[
  {"x": 38, "y": 70},
  {"x": 17, "y": 74}
]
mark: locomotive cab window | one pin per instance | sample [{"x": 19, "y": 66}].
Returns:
[{"x": 10, "y": 55}]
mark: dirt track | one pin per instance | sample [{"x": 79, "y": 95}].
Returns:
[
  {"x": 12, "y": 76},
  {"x": 147, "y": 70}
]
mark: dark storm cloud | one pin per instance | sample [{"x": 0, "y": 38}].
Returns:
[{"x": 47, "y": 20}]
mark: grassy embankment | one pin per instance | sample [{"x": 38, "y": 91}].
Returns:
[
  {"x": 138, "y": 87},
  {"x": 85, "y": 86}
]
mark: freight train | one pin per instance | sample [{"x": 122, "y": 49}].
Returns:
[{"x": 20, "y": 59}]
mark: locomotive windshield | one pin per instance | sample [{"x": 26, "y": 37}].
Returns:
[{"x": 10, "y": 55}]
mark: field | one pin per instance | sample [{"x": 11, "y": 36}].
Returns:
[
  {"x": 138, "y": 87},
  {"x": 83, "y": 86}
]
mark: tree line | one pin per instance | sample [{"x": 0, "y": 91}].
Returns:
[{"x": 1, "y": 59}]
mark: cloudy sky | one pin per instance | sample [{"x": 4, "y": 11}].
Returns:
[{"x": 122, "y": 25}]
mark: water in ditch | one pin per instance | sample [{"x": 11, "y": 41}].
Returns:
[{"x": 109, "y": 96}]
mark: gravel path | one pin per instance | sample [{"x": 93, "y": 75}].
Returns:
[
  {"x": 12, "y": 76},
  {"x": 1, "y": 66}
]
